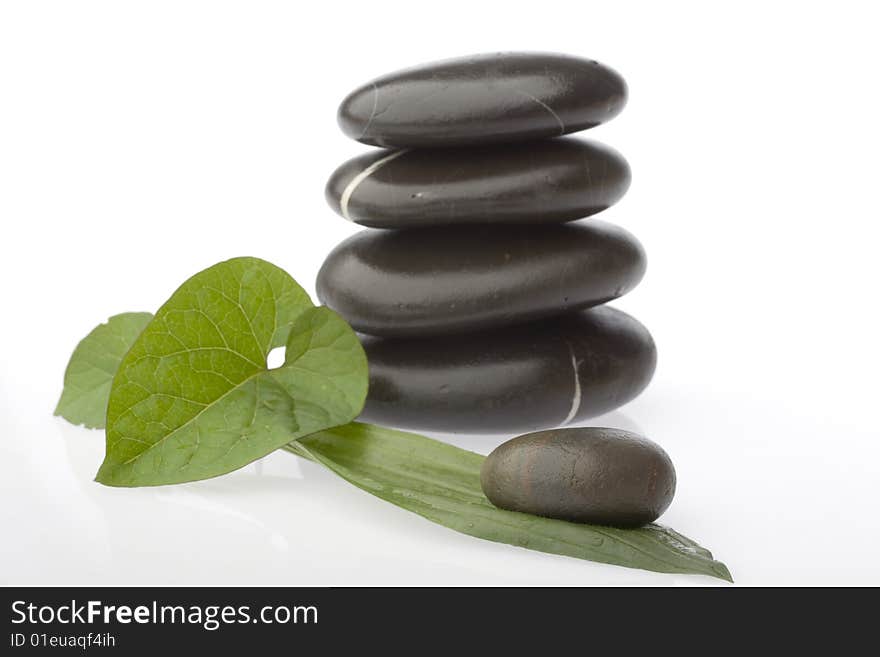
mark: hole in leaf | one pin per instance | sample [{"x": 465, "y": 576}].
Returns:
[{"x": 275, "y": 358}]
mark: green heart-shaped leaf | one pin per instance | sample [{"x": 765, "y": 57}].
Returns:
[{"x": 194, "y": 398}]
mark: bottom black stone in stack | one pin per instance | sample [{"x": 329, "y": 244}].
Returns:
[{"x": 523, "y": 378}]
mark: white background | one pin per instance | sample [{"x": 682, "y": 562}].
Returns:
[{"x": 143, "y": 142}]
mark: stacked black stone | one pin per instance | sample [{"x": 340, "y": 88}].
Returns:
[{"x": 480, "y": 304}]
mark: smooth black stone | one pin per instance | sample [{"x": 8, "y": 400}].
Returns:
[
  {"x": 545, "y": 181},
  {"x": 515, "y": 379},
  {"x": 459, "y": 279},
  {"x": 595, "y": 475},
  {"x": 490, "y": 98}
]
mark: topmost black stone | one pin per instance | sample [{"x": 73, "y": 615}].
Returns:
[{"x": 491, "y": 98}]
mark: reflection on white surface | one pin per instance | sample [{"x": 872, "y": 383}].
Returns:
[
  {"x": 771, "y": 493},
  {"x": 282, "y": 520},
  {"x": 287, "y": 521},
  {"x": 765, "y": 490}
]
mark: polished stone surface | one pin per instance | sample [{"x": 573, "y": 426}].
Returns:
[
  {"x": 524, "y": 378},
  {"x": 595, "y": 475},
  {"x": 459, "y": 279},
  {"x": 489, "y": 98},
  {"x": 545, "y": 181}
]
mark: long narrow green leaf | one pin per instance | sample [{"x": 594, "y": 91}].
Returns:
[{"x": 442, "y": 483}]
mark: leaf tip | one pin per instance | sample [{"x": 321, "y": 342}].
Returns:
[
  {"x": 104, "y": 475},
  {"x": 722, "y": 572}
]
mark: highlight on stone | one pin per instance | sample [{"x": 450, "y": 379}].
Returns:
[
  {"x": 490, "y": 98},
  {"x": 594, "y": 475}
]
